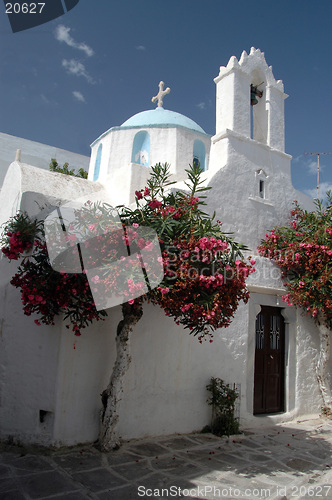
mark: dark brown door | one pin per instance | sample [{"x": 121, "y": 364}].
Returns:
[{"x": 269, "y": 361}]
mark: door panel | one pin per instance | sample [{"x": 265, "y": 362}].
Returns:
[{"x": 269, "y": 361}]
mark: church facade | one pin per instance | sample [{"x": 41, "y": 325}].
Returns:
[{"x": 52, "y": 381}]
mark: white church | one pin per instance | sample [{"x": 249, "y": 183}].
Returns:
[{"x": 51, "y": 381}]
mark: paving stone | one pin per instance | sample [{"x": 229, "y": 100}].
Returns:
[
  {"x": 279, "y": 474},
  {"x": 78, "y": 495},
  {"x": 8, "y": 484},
  {"x": 158, "y": 480},
  {"x": 79, "y": 461},
  {"x": 303, "y": 442},
  {"x": 133, "y": 471},
  {"x": 179, "y": 443},
  {"x": 322, "y": 454},
  {"x": 45, "y": 484},
  {"x": 149, "y": 449},
  {"x": 198, "y": 455},
  {"x": 13, "y": 495},
  {"x": 208, "y": 438},
  {"x": 176, "y": 466},
  {"x": 118, "y": 457},
  {"x": 219, "y": 460},
  {"x": 233, "y": 460},
  {"x": 30, "y": 463},
  {"x": 125, "y": 493},
  {"x": 249, "y": 443},
  {"x": 99, "y": 480},
  {"x": 167, "y": 463},
  {"x": 4, "y": 471},
  {"x": 253, "y": 470},
  {"x": 259, "y": 457},
  {"x": 301, "y": 465}
]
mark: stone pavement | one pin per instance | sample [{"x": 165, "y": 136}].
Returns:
[{"x": 288, "y": 461}]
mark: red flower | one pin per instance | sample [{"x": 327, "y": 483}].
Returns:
[{"x": 154, "y": 204}]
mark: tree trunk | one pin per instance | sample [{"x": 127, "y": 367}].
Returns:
[
  {"x": 108, "y": 438},
  {"x": 322, "y": 365}
]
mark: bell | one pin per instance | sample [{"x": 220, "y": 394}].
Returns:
[
  {"x": 254, "y": 93},
  {"x": 253, "y": 99}
]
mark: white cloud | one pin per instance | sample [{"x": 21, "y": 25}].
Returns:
[
  {"x": 312, "y": 167},
  {"x": 44, "y": 98},
  {"x": 79, "y": 96},
  {"x": 62, "y": 34},
  {"x": 309, "y": 163},
  {"x": 323, "y": 188},
  {"x": 77, "y": 68},
  {"x": 140, "y": 47},
  {"x": 201, "y": 105},
  {"x": 47, "y": 101}
]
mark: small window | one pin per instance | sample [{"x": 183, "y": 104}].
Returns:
[
  {"x": 199, "y": 155},
  {"x": 261, "y": 189}
]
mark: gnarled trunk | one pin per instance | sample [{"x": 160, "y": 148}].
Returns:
[
  {"x": 322, "y": 365},
  {"x": 109, "y": 417}
]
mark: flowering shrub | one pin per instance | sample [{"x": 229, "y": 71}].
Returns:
[
  {"x": 19, "y": 236},
  {"x": 202, "y": 270},
  {"x": 222, "y": 399},
  {"x": 43, "y": 290},
  {"x": 202, "y": 284},
  {"x": 303, "y": 252}
]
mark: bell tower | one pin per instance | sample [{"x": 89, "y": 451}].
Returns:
[
  {"x": 250, "y": 103},
  {"x": 249, "y": 169}
]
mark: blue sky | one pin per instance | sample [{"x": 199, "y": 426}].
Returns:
[{"x": 66, "y": 82}]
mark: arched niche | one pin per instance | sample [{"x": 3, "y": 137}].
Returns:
[
  {"x": 259, "y": 111},
  {"x": 97, "y": 163},
  {"x": 199, "y": 155},
  {"x": 141, "y": 148}
]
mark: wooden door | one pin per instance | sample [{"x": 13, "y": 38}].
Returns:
[{"x": 269, "y": 361}]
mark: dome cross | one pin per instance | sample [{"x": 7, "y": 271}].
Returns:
[{"x": 161, "y": 94}]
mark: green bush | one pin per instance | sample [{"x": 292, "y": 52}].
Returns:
[{"x": 222, "y": 400}]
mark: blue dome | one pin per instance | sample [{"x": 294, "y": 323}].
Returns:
[{"x": 161, "y": 117}]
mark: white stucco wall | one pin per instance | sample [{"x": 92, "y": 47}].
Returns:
[
  {"x": 28, "y": 188},
  {"x": 235, "y": 181},
  {"x": 37, "y": 154},
  {"x": 49, "y": 369},
  {"x": 36, "y": 367}
]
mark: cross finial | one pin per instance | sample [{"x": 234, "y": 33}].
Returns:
[{"x": 160, "y": 95}]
